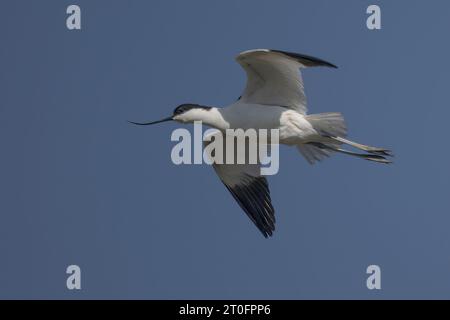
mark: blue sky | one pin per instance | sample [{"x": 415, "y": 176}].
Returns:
[{"x": 79, "y": 185}]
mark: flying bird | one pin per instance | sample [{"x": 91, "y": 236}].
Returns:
[{"x": 274, "y": 98}]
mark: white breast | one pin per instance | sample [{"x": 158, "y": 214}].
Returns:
[{"x": 295, "y": 128}]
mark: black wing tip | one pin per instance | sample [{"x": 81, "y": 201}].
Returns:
[
  {"x": 313, "y": 61},
  {"x": 266, "y": 230},
  {"x": 254, "y": 199},
  {"x": 267, "y": 233}
]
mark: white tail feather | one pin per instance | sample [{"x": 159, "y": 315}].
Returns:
[{"x": 328, "y": 124}]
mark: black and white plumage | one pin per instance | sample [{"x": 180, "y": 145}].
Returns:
[
  {"x": 248, "y": 188},
  {"x": 274, "y": 98}
]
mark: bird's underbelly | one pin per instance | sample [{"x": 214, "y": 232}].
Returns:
[
  {"x": 296, "y": 129},
  {"x": 293, "y": 127}
]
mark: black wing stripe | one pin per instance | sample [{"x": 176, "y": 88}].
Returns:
[
  {"x": 254, "y": 206},
  {"x": 244, "y": 205},
  {"x": 253, "y": 196},
  {"x": 260, "y": 201},
  {"x": 308, "y": 61},
  {"x": 267, "y": 200},
  {"x": 259, "y": 205}
]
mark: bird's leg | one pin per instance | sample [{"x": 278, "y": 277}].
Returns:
[
  {"x": 373, "y": 150},
  {"x": 370, "y": 157}
]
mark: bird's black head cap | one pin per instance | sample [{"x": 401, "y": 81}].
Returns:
[{"x": 188, "y": 106}]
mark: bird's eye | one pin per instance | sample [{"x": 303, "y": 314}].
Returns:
[{"x": 181, "y": 109}]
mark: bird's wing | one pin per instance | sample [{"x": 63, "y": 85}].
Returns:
[
  {"x": 248, "y": 188},
  {"x": 273, "y": 77}
]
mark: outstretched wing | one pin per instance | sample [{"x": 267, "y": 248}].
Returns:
[
  {"x": 249, "y": 189},
  {"x": 273, "y": 77}
]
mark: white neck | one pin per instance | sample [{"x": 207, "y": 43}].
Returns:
[{"x": 214, "y": 118}]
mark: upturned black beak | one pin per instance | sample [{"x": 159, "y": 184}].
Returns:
[{"x": 153, "y": 122}]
